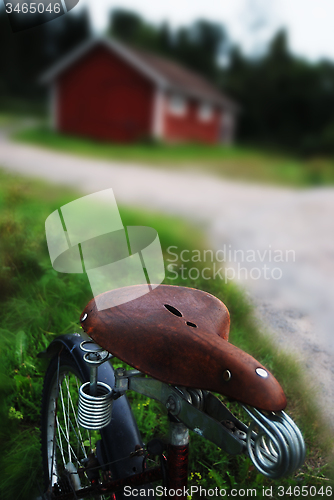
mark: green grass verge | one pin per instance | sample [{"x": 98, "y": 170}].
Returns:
[
  {"x": 38, "y": 303},
  {"x": 232, "y": 162}
]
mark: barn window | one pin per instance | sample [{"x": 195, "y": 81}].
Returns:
[
  {"x": 205, "y": 112},
  {"x": 177, "y": 105}
]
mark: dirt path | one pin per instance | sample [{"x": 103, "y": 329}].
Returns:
[{"x": 283, "y": 239}]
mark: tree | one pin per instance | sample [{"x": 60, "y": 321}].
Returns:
[
  {"x": 197, "y": 47},
  {"x": 287, "y": 101},
  {"x": 25, "y": 55},
  {"x": 130, "y": 28}
]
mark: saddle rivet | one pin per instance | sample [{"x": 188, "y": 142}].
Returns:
[
  {"x": 261, "y": 372},
  {"x": 84, "y": 317},
  {"x": 227, "y": 375}
]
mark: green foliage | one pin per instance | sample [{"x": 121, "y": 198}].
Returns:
[
  {"x": 287, "y": 101},
  {"x": 27, "y": 55},
  {"x": 197, "y": 46},
  {"x": 41, "y": 303},
  {"x": 20, "y": 465}
]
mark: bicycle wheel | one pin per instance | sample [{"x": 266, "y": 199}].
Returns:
[
  {"x": 69, "y": 452},
  {"x": 65, "y": 445}
]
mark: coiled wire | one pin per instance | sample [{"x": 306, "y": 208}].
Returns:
[
  {"x": 94, "y": 412},
  {"x": 278, "y": 449}
]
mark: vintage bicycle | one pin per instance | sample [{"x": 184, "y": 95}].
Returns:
[{"x": 176, "y": 341}]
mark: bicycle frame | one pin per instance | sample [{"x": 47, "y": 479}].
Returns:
[{"x": 277, "y": 450}]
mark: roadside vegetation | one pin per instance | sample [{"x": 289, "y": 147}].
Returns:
[
  {"x": 38, "y": 304},
  {"x": 233, "y": 162}
]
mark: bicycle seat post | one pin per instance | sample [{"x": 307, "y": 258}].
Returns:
[
  {"x": 178, "y": 452},
  {"x": 93, "y": 373}
]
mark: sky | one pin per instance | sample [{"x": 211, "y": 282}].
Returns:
[{"x": 250, "y": 23}]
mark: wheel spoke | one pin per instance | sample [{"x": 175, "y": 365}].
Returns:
[
  {"x": 60, "y": 445},
  {"x": 66, "y": 428},
  {"x": 79, "y": 440},
  {"x": 75, "y": 417},
  {"x": 68, "y": 445},
  {"x": 68, "y": 417}
]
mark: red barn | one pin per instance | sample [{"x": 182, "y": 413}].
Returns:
[{"x": 109, "y": 91}]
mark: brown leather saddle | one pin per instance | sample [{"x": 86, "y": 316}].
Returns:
[{"x": 180, "y": 336}]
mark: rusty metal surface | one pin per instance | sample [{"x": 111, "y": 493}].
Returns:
[
  {"x": 185, "y": 346},
  {"x": 178, "y": 471}
]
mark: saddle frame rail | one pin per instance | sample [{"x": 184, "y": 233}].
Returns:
[{"x": 276, "y": 450}]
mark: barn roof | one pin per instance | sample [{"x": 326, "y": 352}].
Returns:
[{"x": 166, "y": 74}]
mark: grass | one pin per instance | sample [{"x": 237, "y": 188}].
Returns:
[
  {"x": 38, "y": 303},
  {"x": 6, "y": 119},
  {"x": 234, "y": 162},
  {"x": 22, "y": 108}
]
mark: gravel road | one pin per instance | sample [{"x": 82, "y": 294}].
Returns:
[{"x": 280, "y": 241}]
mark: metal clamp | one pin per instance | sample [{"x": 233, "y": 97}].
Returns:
[{"x": 179, "y": 403}]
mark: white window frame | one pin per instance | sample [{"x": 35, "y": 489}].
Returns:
[
  {"x": 205, "y": 112},
  {"x": 177, "y": 105},
  {"x": 158, "y": 114}
]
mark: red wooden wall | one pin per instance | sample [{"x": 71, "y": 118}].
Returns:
[
  {"x": 189, "y": 127},
  {"x": 103, "y": 97}
]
